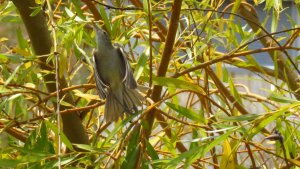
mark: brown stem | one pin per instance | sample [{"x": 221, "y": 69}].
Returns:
[
  {"x": 230, "y": 56},
  {"x": 251, "y": 155},
  {"x": 167, "y": 53},
  {"x": 285, "y": 70},
  {"x": 226, "y": 93},
  {"x": 13, "y": 132},
  {"x": 39, "y": 35},
  {"x": 93, "y": 9}
]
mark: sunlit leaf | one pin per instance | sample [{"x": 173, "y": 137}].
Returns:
[
  {"x": 88, "y": 97},
  {"x": 174, "y": 83},
  {"x": 245, "y": 117},
  {"x": 282, "y": 99},
  {"x": 72, "y": 15},
  {"x": 12, "y": 75},
  {"x": 185, "y": 112},
  {"x": 270, "y": 117},
  {"x": 141, "y": 64},
  {"x": 227, "y": 160},
  {"x": 105, "y": 19},
  {"x": 234, "y": 91},
  {"x": 36, "y": 10}
]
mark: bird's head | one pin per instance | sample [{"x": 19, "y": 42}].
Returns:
[{"x": 102, "y": 38}]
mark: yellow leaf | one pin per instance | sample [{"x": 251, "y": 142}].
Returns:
[
  {"x": 3, "y": 39},
  {"x": 63, "y": 64},
  {"x": 30, "y": 85},
  {"x": 88, "y": 97},
  {"x": 219, "y": 70},
  {"x": 227, "y": 160},
  {"x": 295, "y": 162},
  {"x": 28, "y": 64},
  {"x": 38, "y": 1},
  {"x": 21, "y": 51}
]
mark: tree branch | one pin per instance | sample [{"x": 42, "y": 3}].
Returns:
[
  {"x": 285, "y": 70},
  {"x": 41, "y": 42}
]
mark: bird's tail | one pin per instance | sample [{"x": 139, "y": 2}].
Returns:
[{"x": 117, "y": 105}]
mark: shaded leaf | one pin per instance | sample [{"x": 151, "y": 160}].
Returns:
[{"x": 64, "y": 138}]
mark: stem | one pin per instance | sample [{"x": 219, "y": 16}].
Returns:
[
  {"x": 39, "y": 35},
  {"x": 167, "y": 53}
]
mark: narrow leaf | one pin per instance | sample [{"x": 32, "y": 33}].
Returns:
[
  {"x": 64, "y": 138},
  {"x": 227, "y": 160},
  {"x": 174, "y": 83},
  {"x": 185, "y": 112}
]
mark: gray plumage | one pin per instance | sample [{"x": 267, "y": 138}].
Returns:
[{"x": 114, "y": 79}]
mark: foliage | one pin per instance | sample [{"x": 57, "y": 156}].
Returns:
[{"x": 205, "y": 115}]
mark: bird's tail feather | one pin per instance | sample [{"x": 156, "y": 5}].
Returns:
[
  {"x": 113, "y": 109},
  {"x": 116, "y": 107}
]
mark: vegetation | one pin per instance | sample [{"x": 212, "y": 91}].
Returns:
[{"x": 196, "y": 114}]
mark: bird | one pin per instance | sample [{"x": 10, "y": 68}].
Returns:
[{"x": 114, "y": 79}]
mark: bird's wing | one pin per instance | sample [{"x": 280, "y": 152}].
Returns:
[
  {"x": 128, "y": 79},
  {"x": 101, "y": 87}
]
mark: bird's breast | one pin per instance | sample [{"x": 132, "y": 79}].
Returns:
[{"x": 110, "y": 68}]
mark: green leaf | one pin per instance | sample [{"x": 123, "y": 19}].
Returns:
[
  {"x": 3, "y": 58},
  {"x": 11, "y": 19},
  {"x": 281, "y": 98},
  {"x": 72, "y": 15},
  {"x": 275, "y": 21},
  {"x": 12, "y": 75},
  {"x": 24, "y": 75},
  {"x": 191, "y": 155},
  {"x": 15, "y": 96},
  {"x": 234, "y": 91},
  {"x": 21, "y": 40},
  {"x": 225, "y": 75},
  {"x": 105, "y": 19},
  {"x": 9, "y": 163},
  {"x": 151, "y": 151},
  {"x": 79, "y": 11},
  {"x": 43, "y": 131},
  {"x": 64, "y": 138},
  {"x": 11, "y": 57},
  {"x": 220, "y": 139},
  {"x": 117, "y": 129},
  {"x": 270, "y": 117},
  {"x": 64, "y": 103},
  {"x": 36, "y": 10},
  {"x": 146, "y": 8},
  {"x": 132, "y": 150},
  {"x": 246, "y": 117},
  {"x": 88, "y": 148},
  {"x": 64, "y": 161},
  {"x": 86, "y": 57},
  {"x": 115, "y": 28},
  {"x": 170, "y": 145},
  {"x": 20, "y": 108},
  {"x": 185, "y": 112},
  {"x": 141, "y": 64},
  {"x": 174, "y": 83}
]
